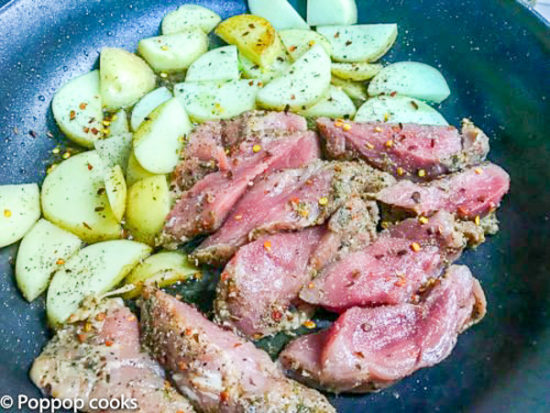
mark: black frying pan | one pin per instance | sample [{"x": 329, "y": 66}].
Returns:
[{"x": 495, "y": 55}]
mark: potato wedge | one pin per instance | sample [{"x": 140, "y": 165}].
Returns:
[
  {"x": 189, "y": 16},
  {"x": 162, "y": 269},
  {"x": 355, "y": 90},
  {"x": 73, "y": 197},
  {"x": 124, "y": 78},
  {"x": 361, "y": 43},
  {"x": 147, "y": 104},
  {"x": 297, "y": 41},
  {"x": 148, "y": 204},
  {"x": 115, "y": 150},
  {"x": 414, "y": 79},
  {"x": 118, "y": 124},
  {"x": 115, "y": 187},
  {"x": 279, "y": 13},
  {"x": 336, "y": 105},
  {"x": 19, "y": 210},
  {"x": 331, "y": 12},
  {"x": 220, "y": 64},
  {"x": 265, "y": 75},
  {"x": 43, "y": 251},
  {"x": 76, "y": 108},
  {"x": 135, "y": 172},
  {"x": 159, "y": 140},
  {"x": 254, "y": 36},
  {"x": 173, "y": 52},
  {"x": 303, "y": 85},
  {"x": 93, "y": 270},
  {"x": 398, "y": 109},
  {"x": 358, "y": 72},
  {"x": 212, "y": 100}
]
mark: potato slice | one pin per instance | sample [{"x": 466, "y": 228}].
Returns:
[
  {"x": 303, "y": 85},
  {"x": 297, "y": 42},
  {"x": 135, "y": 172},
  {"x": 115, "y": 150},
  {"x": 77, "y": 110},
  {"x": 19, "y": 210},
  {"x": 336, "y": 105},
  {"x": 124, "y": 78},
  {"x": 361, "y": 43},
  {"x": 417, "y": 80},
  {"x": 254, "y": 36},
  {"x": 173, "y": 52},
  {"x": 115, "y": 187},
  {"x": 148, "y": 204},
  {"x": 189, "y": 16},
  {"x": 118, "y": 124},
  {"x": 43, "y": 251},
  {"x": 93, "y": 270},
  {"x": 212, "y": 101},
  {"x": 331, "y": 12},
  {"x": 399, "y": 109},
  {"x": 163, "y": 269},
  {"x": 355, "y": 90},
  {"x": 357, "y": 72},
  {"x": 264, "y": 74},
  {"x": 220, "y": 64},
  {"x": 279, "y": 13},
  {"x": 73, "y": 197},
  {"x": 147, "y": 104},
  {"x": 158, "y": 140}
]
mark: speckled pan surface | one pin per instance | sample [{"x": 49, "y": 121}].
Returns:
[{"x": 495, "y": 55}]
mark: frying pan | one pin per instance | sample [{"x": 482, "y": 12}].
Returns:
[{"x": 495, "y": 55}]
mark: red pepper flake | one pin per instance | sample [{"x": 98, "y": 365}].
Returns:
[
  {"x": 225, "y": 276},
  {"x": 311, "y": 285},
  {"x": 295, "y": 200},
  {"x": 336, "y": 35},
  {"x": 60, "y": 261},
  {"x": 72, "y": 115},
  {"x": 292, "y": 48},
  {"x": 81, "y": 337},
  {"x": 86, "y": 129},
  {"x": 392, "y": 94},
  {"x": 267, "y": 245},
  {"x": 90, "y": 166},
  {"x": 276, "y": 315},
  {"x": 182, "y": 365},
  {"x": 401, "y": 282},
  {"x": 309, "y": 324},
  {"x": 462, "y": 211},
  {"x": 95, "y": 131},
  {"x": 109, "y": 343},
  {"x": 292, "y": 97},
  {"x": 83, "y": 105},
  {"x": 188, "y": 331},
  {"x": 224, "y": 396}
]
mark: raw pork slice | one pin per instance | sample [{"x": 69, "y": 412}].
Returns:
[
  {"x": 370, "y": 348},
  {"x": 390, "y": 270},
  {"x": 473, "y": 192},
  {"x": 99, "y": 356},
  {"x": 416, "y": 152},
  {"x": 290, "y": 200},
  {"x": 214, "y": 368}
]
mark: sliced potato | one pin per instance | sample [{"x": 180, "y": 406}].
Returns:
[
  {"x": 279, "y": 13},
  {"x": 135, "y": 172},
  {"x": 115, "y": 187},
  {"x": 163, "y": 269},
  {"x": 357, "y": 72},
  {"x": 124, "y": 78},
  {"x": 118, "y": 124},
  {"x": 304, "y": 84},
  {"x": 93, "y": 270},
  {"x": 73, "y": 197},
  {"x": 211, "y": 101},
  {"x": 220, "y": 64},
  {"x": 297, "y": 41},
  {"x": 159, "y": 140},
  {"x": 399, "y": 109},
  {"x": 361, "y": 43},
  {"x": 189, "y": 16},
  {"x": 115, "y": 150},
  {"x": 147, "y": 104},
  {"x": 336, "y": 105},
  {"x": 261, "y": 44},
  {"x": 417, "y": 80},
  {"x": 355, "y": 90},
  {"x": 77, "y": 110},
  {"x": 148, "y": 204},
  {"x": 19, "y": 210},
  {"x": 331, "y": 12},
  {"x": 173, "y": 52},
  {"x": 43, "y": 251},
  {"x": 264, "y": 74}
]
